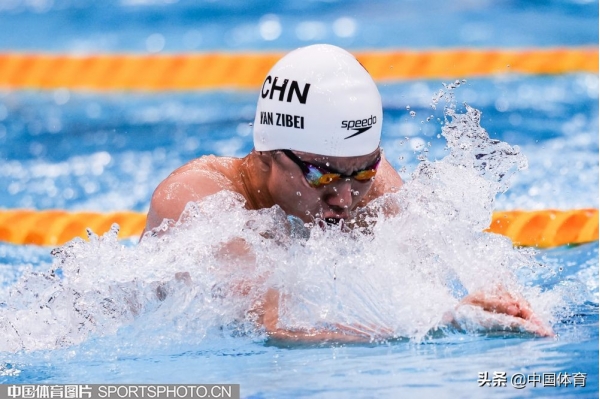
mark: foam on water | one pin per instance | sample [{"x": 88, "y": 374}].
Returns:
[{"x": 424, "y": 251}]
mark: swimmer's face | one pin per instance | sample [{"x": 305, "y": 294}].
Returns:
[{"x": 332, "y": 202}]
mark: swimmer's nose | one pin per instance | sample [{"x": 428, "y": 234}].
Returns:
[{"x": 339, "y": 196}]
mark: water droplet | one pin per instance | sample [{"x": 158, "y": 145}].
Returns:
[
  {"x": 298, "y": 193},
  {"x": 413, "y": 113},
  {"x": 327, "y": 164},
  {"x": 407, "y": 107}
]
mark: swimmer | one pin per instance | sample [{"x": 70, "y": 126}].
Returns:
[
  {"x": 316, "y": 145},
  {"x": 316, "y": 154}
]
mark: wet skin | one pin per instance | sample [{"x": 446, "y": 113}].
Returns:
[
  {"x": 331, "y": 202},
  {"x": 270, "y": 178}
]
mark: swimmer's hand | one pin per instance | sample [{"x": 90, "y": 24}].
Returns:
[
  {"x": 269, "y": 317},
  {"x": 498, "y": 310},
  {"x": 162, "y": 289}
]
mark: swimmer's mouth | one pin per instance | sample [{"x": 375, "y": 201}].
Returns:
[{"x": 331, "y": 219}]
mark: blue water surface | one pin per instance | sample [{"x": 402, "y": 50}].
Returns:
[{"x": 445, "y": 366}]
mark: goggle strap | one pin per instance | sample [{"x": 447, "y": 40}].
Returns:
[{"x": 297, "y": 161}]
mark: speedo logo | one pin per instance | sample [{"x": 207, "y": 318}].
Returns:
[{"x": 359, "y": 125}]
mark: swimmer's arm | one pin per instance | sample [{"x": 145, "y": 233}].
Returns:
[
  {"x": 500, "y": 309},
  {"x": 269, "y": 317}
]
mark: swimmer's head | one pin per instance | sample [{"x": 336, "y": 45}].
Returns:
[{"x": 319, "y": 99}]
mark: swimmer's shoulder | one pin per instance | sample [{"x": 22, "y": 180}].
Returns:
[
  {"x": 207, "y": 175},
  {"x": 386, "y": 181},
  {"x": 208, "y": 167},
  {"x": 193, "y": 181}
]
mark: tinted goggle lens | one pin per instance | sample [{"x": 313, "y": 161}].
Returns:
[
  {"x": 366, "y": 174},
  {"x": 316, "y": 176}
]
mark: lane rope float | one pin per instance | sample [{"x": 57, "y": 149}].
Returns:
[
  {"x": 544, "y": 229},
  {"x": 56, "y": 227},
  {"x": 547, "y": 228},
  {"x": 105, "y": 72}
]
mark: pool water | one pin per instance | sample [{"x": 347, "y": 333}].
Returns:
[{"x": 103, "y": 152}]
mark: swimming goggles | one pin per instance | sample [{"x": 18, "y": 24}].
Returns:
[{"x": 318, "y": 176}]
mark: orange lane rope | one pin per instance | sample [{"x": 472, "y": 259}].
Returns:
[
  {"x": 544, "y": 229},
  {"x": 547, "y": 228},
  {"x": 247, "y": 70},
  {"x": 56, "y": 227}
]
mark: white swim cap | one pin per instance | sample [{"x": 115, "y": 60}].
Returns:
[{"x": 319, "y": 99}]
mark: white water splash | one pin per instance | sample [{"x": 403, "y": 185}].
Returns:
[{"x": 400, "y": 277}]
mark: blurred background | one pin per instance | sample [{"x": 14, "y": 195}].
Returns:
[
  {"x": 103, "y": 151},
  {"x": 152, "y": 26}
]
